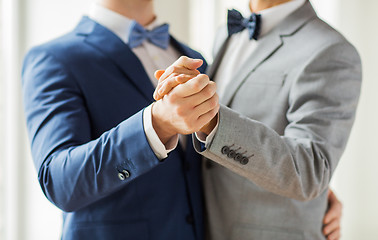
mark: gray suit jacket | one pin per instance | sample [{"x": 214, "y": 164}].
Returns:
[{"x": 283, "y": 126}]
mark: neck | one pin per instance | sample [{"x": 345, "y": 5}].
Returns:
[
  {"x": 259, "y": 5},
  {"x": 141, "y": 11}
]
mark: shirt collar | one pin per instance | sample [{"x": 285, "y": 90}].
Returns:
[
  {"x": 271, "y": 17},
  {"x": 115, "y": 22}
]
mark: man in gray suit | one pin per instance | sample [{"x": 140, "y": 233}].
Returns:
[{"x": 289, "y": 91}]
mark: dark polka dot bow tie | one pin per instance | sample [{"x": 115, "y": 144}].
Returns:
[{"x": 237, "y": 23}]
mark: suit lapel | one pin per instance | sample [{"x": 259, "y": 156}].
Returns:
[
  {"x": 113, "y": 47},
  {"x": 218, "y": 59},
  {"x": 180, "y": 47},
  {"x": 186, "y": 51},
  {"x": 267, "y": 46}
]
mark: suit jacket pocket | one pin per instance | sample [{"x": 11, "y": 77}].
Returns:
[
  {"x": 252, "y": 232},
  {"x": 104, "y": 230}
]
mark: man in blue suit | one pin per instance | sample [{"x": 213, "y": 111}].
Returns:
[{"x": 93, "y": 144}]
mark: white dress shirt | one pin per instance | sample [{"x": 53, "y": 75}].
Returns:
[
  {"x": 152, "y": 58},
  {"x": 240, "y": 47}
]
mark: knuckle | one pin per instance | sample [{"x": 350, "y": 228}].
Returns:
[
  {"x": 177, "y": 79},
  {"x": 180, "y": 78},
  {"x": 208, "y": 92},
  {"x": 183, "y": 58},
  {"x": 213, "y": 85},
  {"x": 174, "y": 69},
  {"x": 160, "y": 83},
  {"x": 204, "y": 77},
  {"x": 172, "y": 98},
  {"x": 197, "y": 86},
  {"x": 179, "y": 111},
  {"x": 170, "y": 70},
  {"x": 216, "y": 96},
  {"x": 204, "y": 80},
  {"x": 183, "y": 112},
  {"x": 170, "y": 83},
  {"x": 214, "y": 103}
]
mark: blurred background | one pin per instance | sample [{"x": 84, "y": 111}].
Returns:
[{"x": 24, "y": 211}]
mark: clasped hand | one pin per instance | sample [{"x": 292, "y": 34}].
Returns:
[{"x": 186, "y": 101}]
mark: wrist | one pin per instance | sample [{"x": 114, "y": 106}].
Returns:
[
  {"x": 161, "y": 125},
  {"x": 208, "y": 128}
]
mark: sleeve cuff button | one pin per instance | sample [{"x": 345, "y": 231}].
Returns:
[
  {"x": 244, "y": 161},
  {"x": 123, "y": 175}
]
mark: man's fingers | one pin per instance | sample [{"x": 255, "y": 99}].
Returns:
[
  {"x": 334, "y": 235},
  {"x": 183, "y": 65},
  {"x": 183, "y": 78},
  {"x": 171, "y": 78},
  {"x": 334, "y": 208},
  {"x": 178, "y": 70},
  {"x": 207, "y": 117},
  {"x": 158, "y": 74},
  {"x": 166, "y": 86},
  {"x": 188, "y": 63},
  {"x": 332, "y": 213},
  {"x": 332, "y": 218},
  {"x": 206, "y": 93},
  {"x": 331, "y": 227},
  {"x": 193, "y": 86},
  {"x": 207, "y": 105}
]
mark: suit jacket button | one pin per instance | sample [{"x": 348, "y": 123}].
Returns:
[
  {"x": 225, "y": 150},
  {"x": 244, "y": 161},
  {"x": 238, "y": 157},
  {"x": 231, "y": 154}
]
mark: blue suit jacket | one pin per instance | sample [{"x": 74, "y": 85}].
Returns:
[{"x": 84, "y": 95}]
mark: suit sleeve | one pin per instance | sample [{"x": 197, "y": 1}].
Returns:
[
  {"x": 75, "y": 170},
  {"x": 298, "y": 164}
]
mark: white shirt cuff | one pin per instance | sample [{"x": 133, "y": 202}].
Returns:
[
  {"x": 161, "y": 151},
  {"x": 206, "y": 139}
]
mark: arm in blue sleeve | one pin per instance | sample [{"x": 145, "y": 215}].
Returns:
[{"x": 75, "y": 170}]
